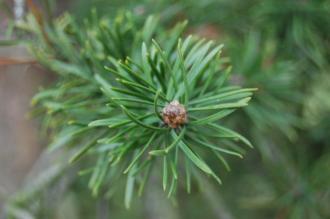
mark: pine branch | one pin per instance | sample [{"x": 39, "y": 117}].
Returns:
[{"x": 122, "y": 104}]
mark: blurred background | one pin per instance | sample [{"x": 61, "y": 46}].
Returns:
[{"x": 280, "y": 46}]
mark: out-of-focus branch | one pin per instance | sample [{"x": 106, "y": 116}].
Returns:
[{"x": 15, "y": 55}]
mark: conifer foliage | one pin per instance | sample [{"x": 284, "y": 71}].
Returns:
[
  {"x": 140, "y": 107},
  {"x": 128, "y": 106}
]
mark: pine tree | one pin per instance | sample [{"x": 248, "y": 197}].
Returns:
[{"x": 139, "y": 106}]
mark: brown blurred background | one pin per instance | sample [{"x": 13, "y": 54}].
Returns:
[{"x": 20, "y": 142}]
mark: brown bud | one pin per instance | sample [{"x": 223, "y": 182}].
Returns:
[{"x": 174, "y": 114}]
